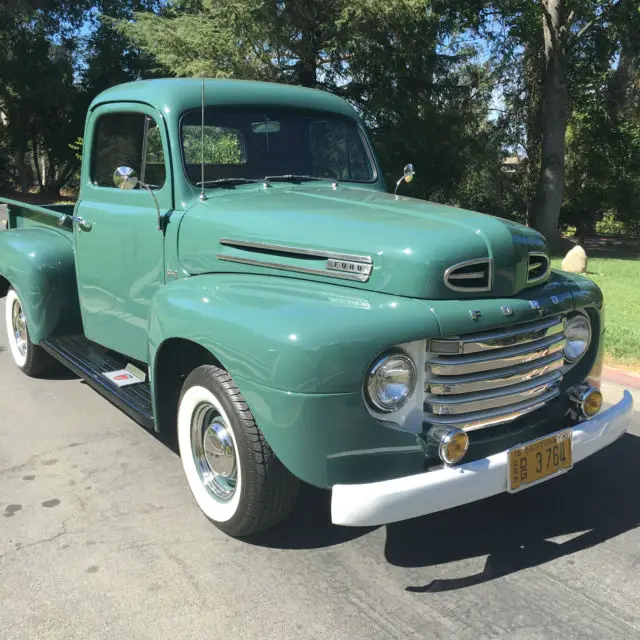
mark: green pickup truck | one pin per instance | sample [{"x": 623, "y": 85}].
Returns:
[{"x": 236, "y": 274}]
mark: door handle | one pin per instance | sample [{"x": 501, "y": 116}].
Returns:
[{"x": 81, "y": 222}]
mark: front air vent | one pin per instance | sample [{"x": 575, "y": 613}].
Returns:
[
  {"x": 472, "y": 275},
  {"x": 539, "y": 267}
]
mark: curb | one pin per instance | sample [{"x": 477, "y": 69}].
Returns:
[{"x": 624, "y": 378}]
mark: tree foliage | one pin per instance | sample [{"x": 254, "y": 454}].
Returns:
[{"x": 456, "y": 87}]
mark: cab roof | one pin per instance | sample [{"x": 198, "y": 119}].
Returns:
[{"x": 183, "y": 94}]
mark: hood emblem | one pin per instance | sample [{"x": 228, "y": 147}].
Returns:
[{"x": 349, "y": 266}]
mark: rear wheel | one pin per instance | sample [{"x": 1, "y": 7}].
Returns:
[
  {"x": 234, "y": 476},
  {"x": 29, "y": 357}
]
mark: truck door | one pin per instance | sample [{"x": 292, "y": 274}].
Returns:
[{"x": 119, "y": 250}]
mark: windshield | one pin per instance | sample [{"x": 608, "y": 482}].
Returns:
[{"x": 244, "y": 144}]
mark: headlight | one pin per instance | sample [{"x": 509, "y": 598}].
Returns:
[
  {"x": 390, "y": 382},
  {"x": 578, "y": 335}
]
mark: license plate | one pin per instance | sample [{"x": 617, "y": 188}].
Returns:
[{"x": 539, "y": 460}]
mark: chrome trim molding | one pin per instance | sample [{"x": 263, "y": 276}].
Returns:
[
  {"x": 450, "y": 275},
  {"x": 547, "y": 271},
  {"x": 243, "y": 244},
  {"x": 343, "y": 266},
  {"x": 288, "y": 267}
]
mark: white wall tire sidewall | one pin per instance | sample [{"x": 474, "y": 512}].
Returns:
[
  {"x": 18, "y": 358},
  {"x": 214, "y": 509}
]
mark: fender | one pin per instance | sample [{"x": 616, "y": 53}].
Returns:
[
  {"x": 298, "y": 352},
  {"x": 39, "y": 263},
  {"x": 292, "y": 335}
]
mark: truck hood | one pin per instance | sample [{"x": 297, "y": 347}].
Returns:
[{"x": 361, "y": 238}]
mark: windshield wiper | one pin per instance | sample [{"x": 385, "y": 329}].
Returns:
[
  {"x": 229, "y": 181},
  {"x": 293, "y": 177}
]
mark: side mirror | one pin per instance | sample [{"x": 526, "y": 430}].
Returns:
[
  {"x": 125, "y": 178},
  {"x": 407, "y": 176}
]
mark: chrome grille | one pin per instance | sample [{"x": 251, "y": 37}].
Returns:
[{"x": 491, "y": 377}]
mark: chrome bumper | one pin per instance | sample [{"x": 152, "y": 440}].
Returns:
[{"x": 378, "y": 503}]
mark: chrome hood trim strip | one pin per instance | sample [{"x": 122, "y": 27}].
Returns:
[{"x": 342, "y": 266}]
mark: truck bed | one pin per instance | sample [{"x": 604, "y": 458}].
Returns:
[{"x": 23, "y": 214}]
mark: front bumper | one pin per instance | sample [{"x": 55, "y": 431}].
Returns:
[{"x": 378, "y": 503}]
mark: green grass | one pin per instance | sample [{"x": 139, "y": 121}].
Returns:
[{"x": 620, "y": 284}]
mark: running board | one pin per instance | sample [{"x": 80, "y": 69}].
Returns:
[{"x": 90, "y": 362}]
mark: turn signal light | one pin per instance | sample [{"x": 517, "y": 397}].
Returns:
[
  {"x": 452, "y": 443},
  {"x": 592, "y": 403},
  {"x": 588, "y": 400}
]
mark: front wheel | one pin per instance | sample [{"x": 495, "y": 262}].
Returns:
[
  {"x": 29, "y": 357},
  {"x": 234, "y": 476}
]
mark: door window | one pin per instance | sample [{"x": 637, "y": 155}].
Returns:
[{"x": 127, "y": 140}]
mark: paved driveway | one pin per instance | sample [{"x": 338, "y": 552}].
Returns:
[{"x": 100, "y": 538}]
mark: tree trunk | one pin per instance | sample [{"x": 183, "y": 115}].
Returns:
[
  {"x": 550, "y": 184},
  {"x": 532, "y": 72},
  {"x": 22, "y": 167},
  {"x": 619, "y": 89}
]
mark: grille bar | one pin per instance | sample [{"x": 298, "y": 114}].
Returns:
[
  {"x": 491, "y": 418},
  {"x": 494, "y": 376},
  {"x": 497, "y": 359},
  {"x": 498, "y": 339},
  {"x": 445, "y": 385},
  {"x": 466, "y": 403}
]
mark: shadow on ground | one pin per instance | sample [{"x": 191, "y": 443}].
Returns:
[
  {"x": 309, "y": 526},
  {"x": 589, "y": 505},
  {"x": 593, "y": 503}
]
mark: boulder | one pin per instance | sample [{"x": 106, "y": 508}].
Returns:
[{"x": 575, "y": 261}]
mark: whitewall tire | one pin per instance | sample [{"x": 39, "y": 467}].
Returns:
[
  {"x": 233, "y": 474},
  {"x": 29, "y": 357}
]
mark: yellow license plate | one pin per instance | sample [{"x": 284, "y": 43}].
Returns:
[{"x": 539, "y": 460}]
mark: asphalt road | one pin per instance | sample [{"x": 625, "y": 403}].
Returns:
[{"x": 100, "y": 538}]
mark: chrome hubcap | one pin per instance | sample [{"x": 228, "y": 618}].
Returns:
[
  {"x": 19, "y": 326},
  {"x": 213, "y": 452}
]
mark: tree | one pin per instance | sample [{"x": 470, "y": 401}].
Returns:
[
  {"x": 405, "y": 64},
  {"x": 48, "y": 75}
]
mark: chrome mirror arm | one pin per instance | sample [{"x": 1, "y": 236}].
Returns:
[
  {"x": 398, "y": 184},
  {"x": 161, "y": 225},
  {"x": 125, "y": 178}
]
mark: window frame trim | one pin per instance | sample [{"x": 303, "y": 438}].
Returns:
[{"x": 165, "y": 195}]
